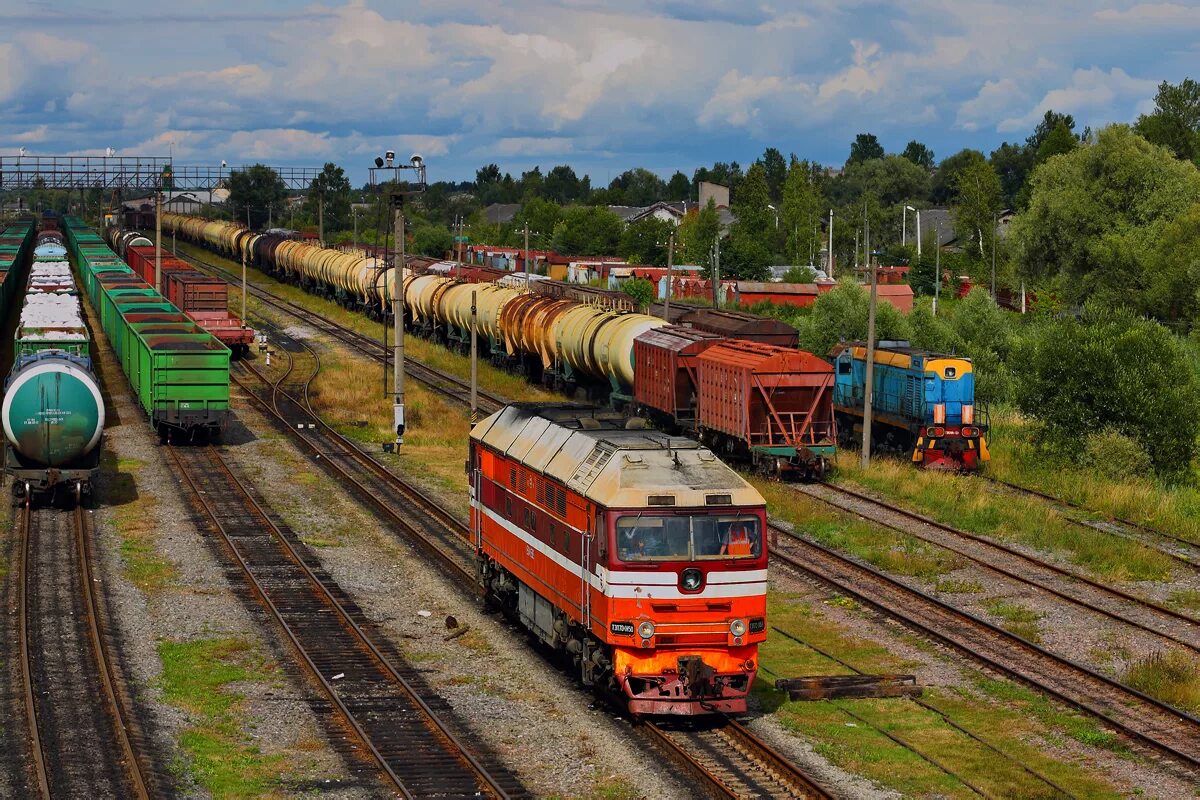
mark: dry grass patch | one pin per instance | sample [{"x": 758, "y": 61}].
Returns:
[
  {"x": 964, "y": 502},
  {"x": 1172, "y": 677},
  {"x": 136, "y": 524}
]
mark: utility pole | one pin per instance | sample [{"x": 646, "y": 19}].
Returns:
[
  {"x": 869, "y": 392},
  {"x": 320, "y": 218},
  {"x": 158, "y": 198},
  {"x": 173, "y": 253},
  {"x": 830, "y": 259},
  {"x": 398, "y": 322},
  {"x": 670, "y": 275},
  {"x": 474, "y": 365},
  {"x": 527, "y": 256},
  {"x": 243, "y": 285},
  {"x": 937, "y": 269},
  {"x": 918, "y": 235},
  {"x": 354, "y": 213},
  {"x": 716, "y": 251}
]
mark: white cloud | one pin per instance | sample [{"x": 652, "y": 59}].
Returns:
[
  {"x": 1151, "y": 14},
  {"x": 533, "y": 146},
  {"x": 995, "y": 101},
  {"x": 860, "y": 78},
  {"x": 1092, "y": 93}
]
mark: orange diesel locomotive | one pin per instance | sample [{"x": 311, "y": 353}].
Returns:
[{"x": 639, "y": 555}]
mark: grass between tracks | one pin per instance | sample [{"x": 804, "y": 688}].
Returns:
[
  {"x": 964, "y": 502},
  {"x": 1015, "y": 458},
  {"x": 1171, "y": 676},
  {"x": 1020, "y": 724},
  {"x": 198, "y": 677},
  {"x": 135, "y": 522}
]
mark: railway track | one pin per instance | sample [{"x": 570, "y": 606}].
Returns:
[
  {"x": 756, "y": 770},
  {"x": 437, "y": 380},
  {"x": 84, "y": 741},
  {"x": 1064, "y": 584},
  {"x": 1136, "y": 715},
  {"x": 1140, "y": 717},
  {"x": 1175, "y": 547},
  {"x": 400, "y": 723},
  {"x": 731, "y": 761}
]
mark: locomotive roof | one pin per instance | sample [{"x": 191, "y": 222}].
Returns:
[
  {"x": 901, "y": 347},
  {"x": 592, "y": 452}
]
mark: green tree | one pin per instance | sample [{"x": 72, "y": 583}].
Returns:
[
  {"x": 724, "y": 174},
  {"x": 893, "y": 179},
  {"x": 1058, "y": 141},
  {"x": 645, "y": 241},
  {"x": 1097, "y": 217},
  {"x": 1012, "y": 163},
  {"x": 746, "y": 258},
  {"x": 696, "y": 236},
  {"x": 979, "y": 201},
  {"x": 919, "y": 154},
  {"x": 563, "y": 186},
  {"x": 1111, "y": 371},
  {"x": 533, "y": 184},
  {"x": 679, "y": 187},
  {"x": 800, "y": 213},
  {"x": 432, "y": 240},
  {"x": 752, "y": 206},
  {"x": 840, "y": 315},
  {"x": 1175, "y": 122},
  {"x": 258, "y": 190},
  {"x": 641, "y": 290},
  {"x": 865, "y": 147},
  {"x": 587, "y": 230},
  {"x": 640, "y": 187},
  {"x": 332, "y": 189},
  {"x": 1050, "y": 120},
  {"x": 800, "y": 274},
  {"x": 542, "y": 216},
  {"x": 944, "y": 184},
  {"x": 776, "y": 171}
]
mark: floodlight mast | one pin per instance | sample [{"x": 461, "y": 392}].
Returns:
[{"x": 387, "y": 164}]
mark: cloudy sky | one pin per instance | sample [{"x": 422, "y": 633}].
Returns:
[{"x": 665, "y": 84}]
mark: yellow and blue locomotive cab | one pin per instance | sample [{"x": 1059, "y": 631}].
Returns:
[{"x": 923, "y": 403}]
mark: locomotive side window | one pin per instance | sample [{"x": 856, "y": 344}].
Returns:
[{"x": 843, "y": 366}]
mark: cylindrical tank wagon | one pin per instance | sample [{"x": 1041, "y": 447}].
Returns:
[{"x": 52, "y": 412}]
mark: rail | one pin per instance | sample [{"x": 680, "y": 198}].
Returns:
[
  {"x": 407, "y": 739},
  {"x": 73, "y": 748}
]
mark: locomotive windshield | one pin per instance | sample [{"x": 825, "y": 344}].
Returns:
[{"x": 694, "y": 537}]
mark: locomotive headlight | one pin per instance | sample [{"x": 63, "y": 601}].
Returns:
[
  {"x": 646, "y": 629},
  {"x": 691, "y": 580},
  {"x": 738, "y": 627}
]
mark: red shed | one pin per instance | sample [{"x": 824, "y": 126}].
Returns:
[
  {"x": 774, "y": 402},
  {"x": 664, "y": 367},
  {"x": 783, "y": 294}
]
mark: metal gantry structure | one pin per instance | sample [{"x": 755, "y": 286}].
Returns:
[{"x": 127, "y": 173}]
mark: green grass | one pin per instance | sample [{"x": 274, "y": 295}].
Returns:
[
  {"x": 965, "y": 503},
  {"x": 196, "y": 678},
  {"x": 134, "y": 521},
  {"x": 1015, "y": 458},
  {"x": 1016, "y": 619},
  {"x": 1185, "y": 599},
  {"x": 1171, "y": 677},
  {"x": 837, "y": 733},
  {"x": 1058, "y": 720},
  {"x": 888, "y": 550}
]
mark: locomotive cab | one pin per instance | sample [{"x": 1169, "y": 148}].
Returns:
[
  {"x": 638, "y": 555},
  {"x": 951, "y": 436}
]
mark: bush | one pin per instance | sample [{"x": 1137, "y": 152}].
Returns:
[
  {"x": 1111, "y": 371},
  {"x": 841, "y": 315},
  {"x": 641, "y": 290},
  {"x": 1116, "y": 456}
]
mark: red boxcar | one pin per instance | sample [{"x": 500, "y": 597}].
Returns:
[
  {"x": 195, "y": 291},
  {"x": 664, "y": 367},
  {"x": 770, "y": 405},
  {"x": 141, "y": 259}
]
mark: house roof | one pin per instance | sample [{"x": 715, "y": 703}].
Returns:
[{"x": 501, "y": 213}]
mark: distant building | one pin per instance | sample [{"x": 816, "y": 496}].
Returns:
[
  {"x": 718, "y": 193},
  {"x": 501, "y": 213}
]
